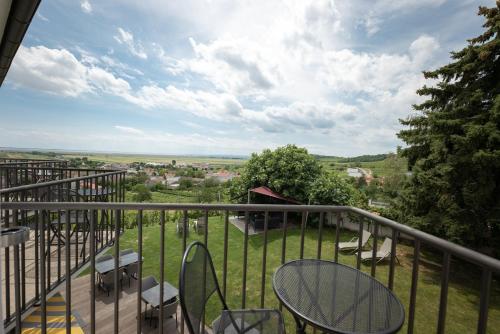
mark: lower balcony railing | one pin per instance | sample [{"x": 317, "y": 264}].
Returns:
[{"x": 316, "y": 231}]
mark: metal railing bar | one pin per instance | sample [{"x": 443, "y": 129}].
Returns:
[
  {"x": 139, "y": 271},
  {"x": 93, "y": 218},
  {"x": 374, "y": 250},
  {"x": 484, "y": 301},
  {"x": 184, "y": 246},
  {"x": 360, "y": 244},
  {"x": 205, "y": 216},
  {"x": 283, "y": 245},
  {"x": 162, "y": 268},
  {"x": 53, "y": 183},
  {"x": 443, "y": 300},
  {"x": 320, "y": 234},
  {"x": 224, "y": 266},
  {"x": 413, "y": 289},
  {"x": 37, "y": 257},
  {"x": 67, "y": 250},
  {"x": 117, "y": 287},
  {"x": 338, "y": 224},
  {"x": 43, "y": 291},
  {"x": 302, "y": 233},
  {"x": 264, "y": 261},
  {"x": 392, "y": 262},
  {"x": 17, "y": 289},
  {"x": 7, "y": 272},
  {"x": 245, "y": 262}
]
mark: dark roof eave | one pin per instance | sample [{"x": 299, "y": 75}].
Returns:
[{"x": 20, "y": 16}]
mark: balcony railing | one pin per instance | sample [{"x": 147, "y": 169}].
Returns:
[
  {"x": 43, "y": 256},
  {"x": 332, "y": 217},
  {"x": 18, "y": 174},
  {"x": 55, "y": 163}
]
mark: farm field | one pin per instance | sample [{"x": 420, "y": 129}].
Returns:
[{"x": 125, "y": 158}]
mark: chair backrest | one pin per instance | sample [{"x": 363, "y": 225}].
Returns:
[
  {"x": 365, "y": 237},
  {"x": 126, "y": 251},
  {"x": 148, "y": 283},
  {"x": 170, "y": 309},
  {"x": 109, "y": 277},
  {"x": 386, "y": 246},
  {"x": 104, "y": 258},
  {"x": 197, "y": 283},
  {"x": 202, "y": 221},
  {"x": 133, "y": 268}
]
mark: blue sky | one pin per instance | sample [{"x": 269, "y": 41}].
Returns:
[{"x": 226, "y": 77}]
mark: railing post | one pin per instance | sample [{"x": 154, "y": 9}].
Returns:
[
  {"x": 484, "y": 301},
  {"x": 302, "y": 233},
  {"x": 392, "y": 263},
  {"x": 338, "y": 224},
  {"x": 414, "y": 283},
  {"x": 445, "y": 277},
  {"x": 93, "y": 219},
  {"x": 374, "y": 250},
  {"x": 68, "y": 271},
  {"x": 224, "y": 265},
  {"x": 162, "y": 266},
  {"x": 139, "y": 272},
  {"x": 116, "y": 275},
  {"x": 320, "y": 234},
  {"x": 360, "y": 244},
  {"x": 245, "y": 262},
  {"x": 264, "y": 261}
]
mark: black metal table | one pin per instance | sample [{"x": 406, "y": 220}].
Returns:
[
  {"x": 152, "y": 295},
  {"x": 124, "y": 260},
  {"x": 335, "y": 298}
]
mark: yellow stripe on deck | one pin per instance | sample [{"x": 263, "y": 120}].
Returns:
[
  {"x": 50, "y": 318},
  {"x": 74, "y": 330},
  {"x": 33, "y": 323}
]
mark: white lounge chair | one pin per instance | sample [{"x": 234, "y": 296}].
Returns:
[
  {"x": 382, "y": 253},
  {"x": 200, "y": 224},
  {"x": 353, "y": 244}
]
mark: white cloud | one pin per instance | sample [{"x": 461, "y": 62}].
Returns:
[
  {"x": 86, "y": 6},
  {"x": 54, "y": 71},
  {"x": 41, "y": 17},
  {"x": 423, "y": 48},
  {"x": 127, "y": 38},
  {"x": 59, "y": 72},
  {"x": 129, "y": 130}
]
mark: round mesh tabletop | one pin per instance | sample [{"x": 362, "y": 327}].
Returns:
[{"x": 337, "y": 298}]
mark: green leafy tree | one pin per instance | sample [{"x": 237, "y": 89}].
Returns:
[
  {"x": 185, "y": 183},
  {"x": 454, "y": 146},
  {"x": 331, "y": 189},
  {"x": 288, "y": 170},
  {"x": 141, "y": 193}
]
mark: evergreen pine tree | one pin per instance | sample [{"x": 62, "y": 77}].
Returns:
[{"x": 454, "y": 146}]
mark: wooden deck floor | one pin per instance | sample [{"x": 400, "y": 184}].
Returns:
[{"x": 80, "y": 304}]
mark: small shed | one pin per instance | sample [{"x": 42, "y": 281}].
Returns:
[{"x": 267, "y": 196}]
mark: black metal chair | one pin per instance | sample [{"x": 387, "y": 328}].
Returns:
[{"x": 198, "y": 282}]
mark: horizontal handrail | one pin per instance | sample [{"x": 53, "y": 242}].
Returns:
[
  {"x": 71, "y": 169},
  {"x": 56, "y": 182},
  {"x": 441, "y": 244}
]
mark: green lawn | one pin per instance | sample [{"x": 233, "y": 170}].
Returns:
[{"x": 463, "y": 290}]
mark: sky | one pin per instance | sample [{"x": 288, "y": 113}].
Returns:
[{"x": 226, "y": 77}]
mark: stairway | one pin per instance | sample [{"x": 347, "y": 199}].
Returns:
[{"x": 56, "y": 319}]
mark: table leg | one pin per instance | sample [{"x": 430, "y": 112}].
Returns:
[{"x": 301, "y": 327}]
